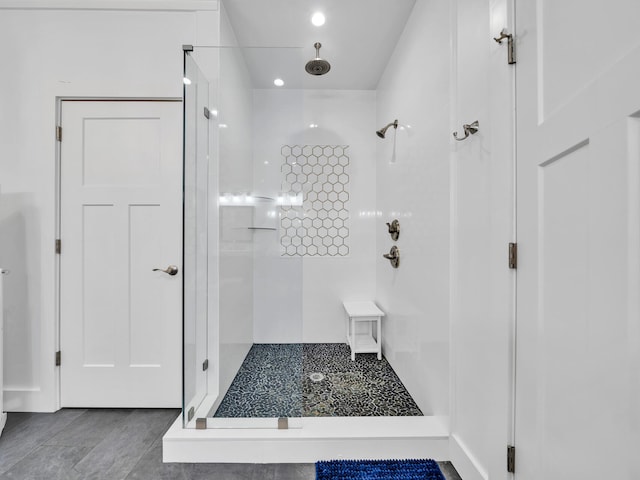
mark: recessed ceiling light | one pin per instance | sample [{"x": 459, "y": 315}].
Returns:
[
  {"x": 278, "y": 82},
  {"x": 317, "y": 19}
]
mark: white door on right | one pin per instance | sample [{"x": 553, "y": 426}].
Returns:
[{"x": 578, "y": 157}]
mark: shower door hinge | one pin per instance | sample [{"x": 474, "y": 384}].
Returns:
[
  {"x": 205, "y": 365},
  {"x": 58, "y": 358},
  {"x": 511, "y": 459},
  {"x": 207, "y": 113},
  {"x": 58, "y": 133},
  {"x": 513, "y": 255},
  {"x": 191, "y": 413},
  {"x": 58, "y": 246}
]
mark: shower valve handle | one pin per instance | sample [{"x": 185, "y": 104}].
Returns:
[
  {"x": 393, "y": 256},
  {"x": 394, "y": 229}
]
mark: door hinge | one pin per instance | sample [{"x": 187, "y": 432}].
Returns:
[
  {"x": 190, "y": 414},
  {"x": 58, "y": 246},
  {"x": 511, "y": 49},
  {"x": 58, "y": 358},
  {"x": 58, "y": 133},
  {"x": 511, "y": 459},
  {"x": 205, "y": 365},
  {"x": 513, "y": 255},
  {"x": 207, "y": 113}
]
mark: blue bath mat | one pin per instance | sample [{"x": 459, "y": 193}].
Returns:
[{"x": 378, "y": 470}]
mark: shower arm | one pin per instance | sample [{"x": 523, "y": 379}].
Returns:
[{"x": 381, "y": 133}]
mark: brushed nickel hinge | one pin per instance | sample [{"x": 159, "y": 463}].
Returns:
[
  {"x": 190, "y": 414},
  {"x": 58, "y": 246},
  {"x": 511, "y": 459},
  {"x": 207, "y": 113},
  {"x": 58, "y": 133},
  {"x": 58, "y": 358},
  {"x": 513, "y": 255},
  {"x": 205, "y": 365},
  {"x": 511, "y": 49}
]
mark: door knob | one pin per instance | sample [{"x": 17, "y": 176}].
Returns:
[{"x": 171, "y": 270}]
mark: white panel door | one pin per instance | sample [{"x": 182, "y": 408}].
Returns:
[
  {"x": 121, "y": 217},
  {"x": 578, "y": 368}
]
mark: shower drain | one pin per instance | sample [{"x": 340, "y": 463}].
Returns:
[{"x": 316, "y": 377}]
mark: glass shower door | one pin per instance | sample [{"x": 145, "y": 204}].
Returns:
[
  {"x": 196, "y": 251},
  {"x": 245, "y": 264}
]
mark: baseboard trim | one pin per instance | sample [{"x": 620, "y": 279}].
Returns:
[
  {"x": 3, "y": 421},
  {"x": 26, "y": 400},
  {"x": 465, "y": 462}
]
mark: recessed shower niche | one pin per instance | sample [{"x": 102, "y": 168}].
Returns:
[{"x": 320, "y": 173}]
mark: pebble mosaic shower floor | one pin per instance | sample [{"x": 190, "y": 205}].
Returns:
[{"x": 275, "y": 381}]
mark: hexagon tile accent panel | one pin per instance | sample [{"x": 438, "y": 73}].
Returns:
[{"x": 321, "y": 174}]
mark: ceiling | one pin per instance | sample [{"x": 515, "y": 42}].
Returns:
[{"x": 357, "y": 39}]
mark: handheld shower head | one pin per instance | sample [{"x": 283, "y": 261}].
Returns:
[
  {"x": 317, "y": 66},
  {"x": 381, "y": 133}
]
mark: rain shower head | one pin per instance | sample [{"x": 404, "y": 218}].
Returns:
[
  {"x": 383, "y": 131},
  {"x": 317, "y": 66}
]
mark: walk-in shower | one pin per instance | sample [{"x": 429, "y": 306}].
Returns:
[
  {"x": 267, "y": 193},
  {"x": 286, "y": 205}
]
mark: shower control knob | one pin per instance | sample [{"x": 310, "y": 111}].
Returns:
[
  {"x": 393, "y": 256},
  {"x": 394, "y": 229}
]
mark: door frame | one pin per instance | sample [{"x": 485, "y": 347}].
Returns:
[
  {"x": 58, "y": 212},
  {"x": 502, "y": 123}
]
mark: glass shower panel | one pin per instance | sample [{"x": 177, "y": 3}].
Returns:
[
  {"x": 195, "y": 261},
  {"x": 256, "y": 230}
]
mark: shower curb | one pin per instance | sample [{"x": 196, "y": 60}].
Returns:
[{"x": 319, "y": 439}]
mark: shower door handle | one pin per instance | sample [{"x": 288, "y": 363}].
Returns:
[{"x": 170, "y": 270}]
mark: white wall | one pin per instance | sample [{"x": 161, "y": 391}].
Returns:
[
  {"x": 415, "y": 189},
  {"x": 300, "y": 298},
  {"x": 61, "y": 53}
]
